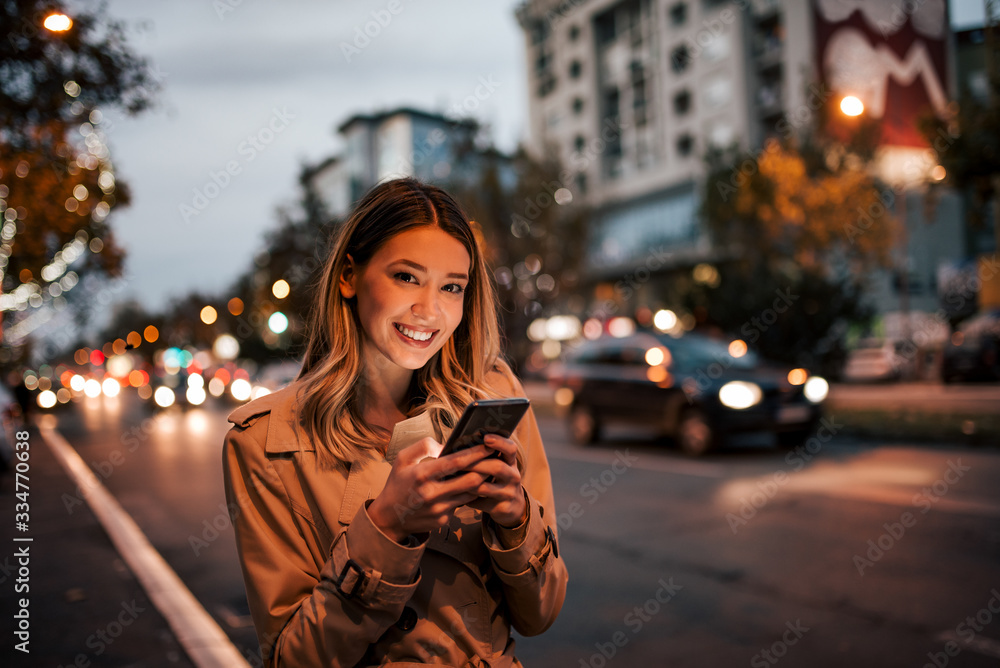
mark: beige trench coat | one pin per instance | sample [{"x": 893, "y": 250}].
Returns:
[{"x": 327, "y": 588}]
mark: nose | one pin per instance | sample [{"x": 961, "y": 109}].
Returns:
[{"x": 426, "y": 307}]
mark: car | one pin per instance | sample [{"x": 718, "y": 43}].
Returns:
[
  {"x": 691, "y": 388},
  {"x": 973, "y": 350}
]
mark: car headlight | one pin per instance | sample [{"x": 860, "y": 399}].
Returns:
[
  {"x": 740, "y": 394},
  {"x": 816, "y": 389}
]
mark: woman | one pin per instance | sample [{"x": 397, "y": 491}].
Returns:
[{"x": 357, "y": 544}]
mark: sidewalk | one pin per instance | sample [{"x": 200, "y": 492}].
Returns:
[{"x": 85, "y": 606}]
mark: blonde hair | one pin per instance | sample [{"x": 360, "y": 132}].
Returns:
[{"x": 331, "y": 395}]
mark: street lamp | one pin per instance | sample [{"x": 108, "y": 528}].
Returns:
[
  {"x": 57, "y": 22},
  {"x": 852, "y": 106}
]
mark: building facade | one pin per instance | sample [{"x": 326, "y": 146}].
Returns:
[
  {"x": 391, "y": 144},
  {"x": 631, "y": 94}
]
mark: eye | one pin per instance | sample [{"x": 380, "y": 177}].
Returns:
[
  {"x": 405, "y": 277},
  {"x": 454, "y": 288}
]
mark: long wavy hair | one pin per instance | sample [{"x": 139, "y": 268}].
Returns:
[{"x": 332, "y": 387}]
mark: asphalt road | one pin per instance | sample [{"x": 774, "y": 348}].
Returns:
[{"x": 843, "y": 553}]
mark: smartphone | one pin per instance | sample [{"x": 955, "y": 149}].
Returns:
[{"x": 485, "y": 416}]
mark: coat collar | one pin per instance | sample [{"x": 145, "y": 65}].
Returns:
[{"x": 285, "y": 433}]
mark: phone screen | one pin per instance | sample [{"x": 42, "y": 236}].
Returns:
[{"x": 485, "y": 416}]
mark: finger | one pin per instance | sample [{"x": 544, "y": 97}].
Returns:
[
  {"x": 422, "y": 449},
  {"x": 497, "y": 469},
  {"x": 505, "y": 446},
  {"x": 458, "y": 461}
]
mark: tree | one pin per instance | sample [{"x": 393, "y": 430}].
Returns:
[
  {"x": 798, "y": 225},
  {"x": 534, "y": 236},
  {"x": 57, "y": 184},
  {"x": 967, "y": 143}
]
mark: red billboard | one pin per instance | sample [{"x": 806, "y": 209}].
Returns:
[{"x": 890, "y": 54}]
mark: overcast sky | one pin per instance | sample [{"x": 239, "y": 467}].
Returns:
[
  {"x": 235, "y": 69},
  {"x": 278, "y": 72}
]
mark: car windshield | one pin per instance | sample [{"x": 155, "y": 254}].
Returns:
[{"x": 694, "y": 350}]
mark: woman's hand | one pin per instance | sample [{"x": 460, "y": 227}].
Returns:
[
  {"x": 416, "y": 498},
  {"x": 500, "y": 493}
]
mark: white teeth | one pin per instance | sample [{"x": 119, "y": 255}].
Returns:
[{"x": 416, "y": 336}]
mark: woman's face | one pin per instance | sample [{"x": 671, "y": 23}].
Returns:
[{"x": 409, "y": 296}]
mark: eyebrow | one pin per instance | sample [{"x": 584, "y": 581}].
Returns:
[{"x": 420, "y": 267}]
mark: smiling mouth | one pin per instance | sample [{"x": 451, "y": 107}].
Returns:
[{"x": 413, "y": 334}]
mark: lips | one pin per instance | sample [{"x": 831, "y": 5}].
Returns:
[{"x": 416, "y": 335}]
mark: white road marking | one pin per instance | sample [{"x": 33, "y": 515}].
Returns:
[{"x": 204, "y": 641}]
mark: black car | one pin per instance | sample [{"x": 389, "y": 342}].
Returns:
[
  {"x": 691, "y": 387},
  {"x": 973, "y": 351}
]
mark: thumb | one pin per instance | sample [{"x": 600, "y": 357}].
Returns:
[{"x": 423, "y": 449}]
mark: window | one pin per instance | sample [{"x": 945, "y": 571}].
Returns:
[
  {"x": 678, "y": 14},
  {"x": 581, "y": 183},
  {"x": 680, "y": 58},
  {"x": 574, "y": 69},
  {"x": 579, "y": 144},
  {"x": 578, "y": 105},
  {"x": 574, "y": 33},
  {"x": 682, "y": 102},
  {"x": 685, "y": 144},
  {"x": 639, "y": 102}
]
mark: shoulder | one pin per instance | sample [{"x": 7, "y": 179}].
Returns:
[
  {"x": 250, "y": 412},
  {"x": 503, "y": 380}
]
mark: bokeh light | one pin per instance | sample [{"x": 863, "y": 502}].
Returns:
[
  {"x": 737, "y": 348},
  {"x": 240, "y": 389},
  {"x": 852, "y": 106},
  {"x": 797, "y": 376},
  {"x": 47, "y": 399},
  {"x": 209, "y": 315},
  {"x": 57, "y": 22},
  {"x": 151, "y": 334},
  {"x": 665, "y": 320},
  {"x": 621, "y": 327},
  {"x": 278, "y": 322},
  {"x": 111, "y": 387},
  {"x": 164, "y": 397},
  {"x": 235, "y": 306},
  {"x": 281, "y": 289},
  {"x": 92, "y": 388},
  {"x": 226, "y": 347},
  {"x": 655, "y": 356}
]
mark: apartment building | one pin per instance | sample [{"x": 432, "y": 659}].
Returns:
[{"x": 630, "y": 94}]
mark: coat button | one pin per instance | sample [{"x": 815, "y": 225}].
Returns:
[{"x": 407, "y": 620}]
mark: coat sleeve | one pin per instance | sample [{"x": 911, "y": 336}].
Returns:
[
  {"x": 532, "y": 571},
  {"x": 304, "y": 617}
]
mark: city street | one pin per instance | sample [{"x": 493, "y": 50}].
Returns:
[{"x": 842, "y": 553}]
